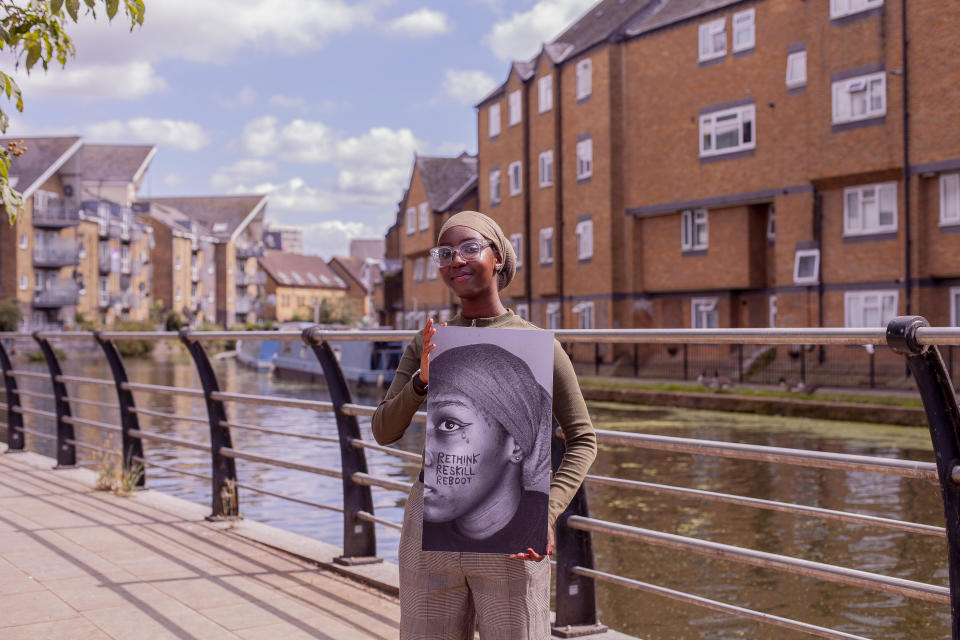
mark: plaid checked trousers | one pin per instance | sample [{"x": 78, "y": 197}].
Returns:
[{"x": 446, "y": 595}]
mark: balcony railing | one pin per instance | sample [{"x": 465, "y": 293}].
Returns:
[
  {"x": 60, "y": 254},
  {"x": 195, "y": 272},
  {"x": 56, "y": 216},
  {"x": 250, "y": 251},
  {"x": 244, "y": 304},
  {"x": 108, "y": 263},
  {"x": 62, "y": 294},
  {"x": 103, "y": 299},
  {"x": 129, "y": 300},
  {"x": 243, "y": 279}
]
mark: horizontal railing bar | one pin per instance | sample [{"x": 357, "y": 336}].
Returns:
[
  {"x": 92, "y": 447},
  {"x": 305, "y": 436},
  {"x": 35, "y": 433},
  {"x": 95, "y": 403},
  {"x": 92, "y": 423},
  {"x": 65, "y": 334},
  {"x": 245, "y": 335},
  {"x": 36, "y": 394},
  {"x": 35, "y": 412},
  {"x": 369, "y": 517},
  {"x": 286, "y": 464},
  {"x": 295, "y": 403},
  {"x": 797, "y": 566},
  {"x": 161, "y": 414},
  {"x": 290, "y": 498},
  {"x": 20, "y": 373},
  {"x": 352, "y": 409},
  {"x": 769, "y": 505},
  {"x": 80, "y": 380},
  {"x": 320, "y": 335},
  {"x": 722, "y": 607},
  {"x": 146, "y": 435},
  {"x": 3, "y": 405},
  {"x": 11, "y": 335},
  {"x": 159, "y": 388},
  {"x": 801, "y": 457},
  {"x": 169, "y": 468},
  {"x": 405, "y": 455},
  {"x": 140, "y": 335},
  {"x": 377, "y": 481}
]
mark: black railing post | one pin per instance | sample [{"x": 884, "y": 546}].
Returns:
[
  {"x": 359, "y": 536},
  {"x": 686, "y": 373},
  {"x": 803, "y": 363},
  {"x": 66, "y": 452},
  {"x": 943, "y": 418},
  {"x": 740, "y": 363},
  {"x": 131, "y": 447},
  {"x": 14, "y": 419},
  {"x": 225, "y": 499},
  {"x": 576, "y": 601}
]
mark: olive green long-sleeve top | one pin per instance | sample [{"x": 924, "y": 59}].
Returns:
[{"x": 394, "y": 413}]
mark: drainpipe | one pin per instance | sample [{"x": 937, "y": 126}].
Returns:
[
  {"x": 528, "y": 187},
  {"x": 906, "y": 156},
  {"x": 558, "y": 185},
  {"x": 818, "y": 236}
]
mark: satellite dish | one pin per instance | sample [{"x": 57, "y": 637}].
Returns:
[{"x": 68, "y": 190}]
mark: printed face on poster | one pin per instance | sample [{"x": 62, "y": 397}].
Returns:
[{"x": 487, "y": 453}]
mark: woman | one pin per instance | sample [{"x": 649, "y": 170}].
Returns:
[
  {"x": 444, "y": 595},
  {"x": 487, "y": 458}
]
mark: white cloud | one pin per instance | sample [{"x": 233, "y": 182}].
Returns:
[
  {"x": 242, "y": 171},
  {"x": 287, "y": 102},
  {"x": 520, "y": 36},
  {"x": 422, "y": 23},
  {"x": 177, "y": 134},
  {"x": 332, "y": 237},
  {"x": 124, "y": 81},
  {"x": 245, "y": 97},
  {"x": 467, "y": 86},
  {"x": 173, "y": 179}
]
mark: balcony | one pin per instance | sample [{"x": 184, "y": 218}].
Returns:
[
  {"x": 57, "y": 254},
  {"x": 195, "y": 272},
  {"x": 103, "y": 299},
  {"x": 129, "y": 300},
  {"x": 244, "y": 304},
  {"x": 195, "y": 244},
  {"x": 56, "y": 216},
  {"x": 243, "y": 279},
  {"x": 63, "y": 293},
  {"x": 125, "y": 265},
  {"x": 250, "y": 251},
  {"x": 131, "y": 233},
  {"x": 108, "y": 263}
]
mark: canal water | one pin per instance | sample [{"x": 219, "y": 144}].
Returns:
[{"x": 853, "y": 610}]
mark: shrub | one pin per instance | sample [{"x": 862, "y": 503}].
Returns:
[
  {"x": 134, "y": 348},
  {"x": 10, "y": 315},
  {"x": 173, "y": 321}
]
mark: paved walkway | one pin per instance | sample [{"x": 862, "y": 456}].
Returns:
[{"x": 81, "y": 564}]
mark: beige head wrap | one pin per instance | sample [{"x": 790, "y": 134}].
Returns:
[{"x": 486, "y": 227}]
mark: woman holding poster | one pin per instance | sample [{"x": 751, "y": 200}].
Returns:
[{"x": 447, "y": 594}]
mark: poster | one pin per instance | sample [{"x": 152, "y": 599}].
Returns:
[{"x": 487, "y": 453}]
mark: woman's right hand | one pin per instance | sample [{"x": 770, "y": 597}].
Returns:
[{"x": 428, "y": 332}]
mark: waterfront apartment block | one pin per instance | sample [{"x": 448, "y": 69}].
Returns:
[{"x": 301, "y": 287}]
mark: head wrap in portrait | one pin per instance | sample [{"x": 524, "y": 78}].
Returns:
[{"x": 486, "y": 227}]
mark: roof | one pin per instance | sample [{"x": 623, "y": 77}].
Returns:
[
  {"x": 174, "y": 218},
  {"x": 667, "y": 12},
  {"x": 41, "y": 159},
  {"x": 444, "y": 177},
  {"x": 114, "y": 162},
  {"x": 225, "y": 216},
  {"x": 601, "y": 22},
  {"x": 298, "y": 270}
]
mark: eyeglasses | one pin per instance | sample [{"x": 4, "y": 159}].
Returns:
[{"x": 469, "y": 251}]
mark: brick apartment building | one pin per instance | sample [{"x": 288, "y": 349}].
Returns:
[{"x": 299, "y": 287}]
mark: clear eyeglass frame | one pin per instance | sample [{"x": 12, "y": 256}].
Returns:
[{"x": 469, "y": 250}]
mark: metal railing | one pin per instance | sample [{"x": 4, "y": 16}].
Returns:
[{"x": 576, "y": 597}]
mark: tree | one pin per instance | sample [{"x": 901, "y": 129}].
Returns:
[
  {"x": 10, "y": 315},
  {"x": 35, "y": 31}
]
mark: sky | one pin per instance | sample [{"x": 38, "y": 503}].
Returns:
[{"x": 319, "y": 103}]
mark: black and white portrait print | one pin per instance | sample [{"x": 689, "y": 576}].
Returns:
[{"x": 487, "y": 453}]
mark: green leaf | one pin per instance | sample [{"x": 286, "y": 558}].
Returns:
[
  {"x": 73, "y": 6},
  {"x": 112, "y": 6},
  {"x": 56, "y": 5},
  {"x": 33, "y": 54}
]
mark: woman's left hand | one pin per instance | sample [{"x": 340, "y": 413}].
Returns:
[{"x": 530, "y": 554}]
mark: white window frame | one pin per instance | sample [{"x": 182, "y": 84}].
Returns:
[
  {"x": 691, "y": 221},
  {"x": 797, "y": 69},
  {"x": 545, "y": 94},
  {"x": 739, "y": 119},
  {"x": 772, "y": 311},
  {"x": 700, "y": 311},
  {"x": 432, "y": 270},
  {"x": 955, "y": 306},
  {"x": 546, "y": 168},
  {"x": 493, "y": 115},
  {"x": 494, "y": 186},
  {"x": 841, "y": 8},
  {"x": 854, "y": 301},
  {"x": 516, "y": 241},
  {"x": 800, "y": 255},
  {"x": 843, "y": 104},
  {"x": 949, "y": 215},
  {"x": 24, "y": 282},
  {"x": 515, "y": 108},
  {"x": 523, "y": 311},
  {"x": 584, "y": 79},
  {"x": 515, "y": 176},
  {"x": 546, "y": 245},
  {"x": 584, "y": 158},
  {"x": 771, "y": 224},
  {"x": 418, "y": 268},
  {"x": 744, "y": 24},
  {"x": 553, "y": 316},
  {"x": 411, "y": 221},
  {"x": 584, "y": 233},
  {"x": 880, "y": 191},
  {"x": 707, "y": 47},
  {"x": 585, "y": 315},
  {"x": 424, "y": 216},
  {"x": 24, "y": 241}
]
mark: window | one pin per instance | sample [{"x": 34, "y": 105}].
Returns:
[
  {"x": 516, "y": 110},
  {"x": 515, "y": 171},
  {"x": 693, "y": 230},
  {"x": 713, "y": 40},
  {"x": 840, "y": 8},
  {"x": 727, "y": 131},
  {"x": 771, "y": 224},
  {"x": 432, "y": 270},
  {"x": 870, "y": 209},
  {"x": 797, "y": 69},
  {"x": 24, "y": 282},
  {"x": 494, "y": 186},
  {"x": 703, "y": 313},
  {"x": 553, "y": 318},
  {"x": 179, "y": 295},
  {"x": 545, "y": 94},
  {"x": 955, "y": 306},
  {"x": 24, "y": 242},
  {"x": 584, "y": 312},
  {"x": 494, "y": 112},
  {"x": 523, "y": 311},
  {"x": 584, "y": 232},
  {"x": 584, "y": 158},
  {"x": 177, "y": 264},
  {"x": 411, "y": 221},
  {"x": 546, "y": 245},
  {"x": 424, "y": 216},
  {"x": 546, "y": 168},
  {"x": 806, "y": 266},
  {"x": 516, "y": 241},
  {"x": 584, "y": 80},
  {"x": 860, "y": 98},
  {"x": 418, "y": 267},
  {"x": 744, "y": 32},
  {"x": 772, "y": 311},
  {"x": 950, "y": 199},
  {"x": 869, "y": 308},
  {"x": 398, "y": 320}
]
